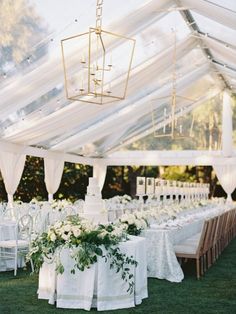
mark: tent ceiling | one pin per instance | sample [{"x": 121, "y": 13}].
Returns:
[{"x": 33, "y": 107}]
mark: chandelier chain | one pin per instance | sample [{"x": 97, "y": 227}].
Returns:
[{"x": 99, "y": 14}]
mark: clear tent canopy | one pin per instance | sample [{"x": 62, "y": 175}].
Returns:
[{"x": 34, "y": 111}]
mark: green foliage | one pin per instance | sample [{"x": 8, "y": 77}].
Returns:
[
  {"x": 32, "y": 181},
  {"x": 178, "y": 173},
  {"x": 74, "y": 181},
  {"x": 86, "y": 242},
  {"x": 73, "y": 184},
  {"x": 206, "y": 128}
]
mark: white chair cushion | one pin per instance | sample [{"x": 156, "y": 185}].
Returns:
[
  {"x": 185, "y": 248},
  {"x": 189, "y": 246},
  {"x": 194, "y": 239},
  {"x": 12, "y": 243}
]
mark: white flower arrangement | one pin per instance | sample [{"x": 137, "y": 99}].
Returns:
[
  {"x": 125, "y": 199},
  {"x": 86, "y": 242},
  {"x": 134, "y": 223},
  {"x": 60, "y": 205}
]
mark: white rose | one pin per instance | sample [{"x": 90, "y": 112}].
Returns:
[
  {"x": 52, "y": 237},
  {"x": 103, "y": 234},
  {"x": 131, "y": 219},
  {"x": 139, "y": 215},
  {"x": 66, "y": 236},
  {"x": 138, "y": 224},
  {"x": 76, "y": 231},
  {"x": 88, "y": 226},
  {"x": 124, "y": 226},
  {"x": 67, "y": 228},
  {"x": 117, "y": 232},
  {"x": 124, "y": 218},
  {"x": 58, "y": 225}
]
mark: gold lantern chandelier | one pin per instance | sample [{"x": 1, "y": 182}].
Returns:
[
  {"x": 172, "y": 120},
  {"x": 94, "y": 70}
]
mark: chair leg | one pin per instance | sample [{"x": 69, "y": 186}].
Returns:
[
  {"x": 209, "y": 258},
  {"x": 205, "y": 262},
  {"x": 198, "y": 268},
  {"x": 32, "y": 265},
  {"x": 16, "y": 258},
  {"x": 202, "y": 265}
]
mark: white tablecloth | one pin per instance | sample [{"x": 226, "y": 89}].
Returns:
[
  {"x": 161, "y": 258},
  {"x": 99, "y": 286}
]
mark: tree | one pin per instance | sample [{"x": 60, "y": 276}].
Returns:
[
  {"x": 21, "y": 29},
  {"x": 32, "y": 181},
  {"x": 73, "y": 184}
]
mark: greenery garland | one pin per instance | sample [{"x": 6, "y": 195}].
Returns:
[{"x": 91, "y": 242}]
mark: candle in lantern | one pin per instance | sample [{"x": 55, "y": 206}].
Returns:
[
  {"x": 83, "y": 61},
  {"x": 164, "y": 112},
  {"x": 110, "y": 63}
]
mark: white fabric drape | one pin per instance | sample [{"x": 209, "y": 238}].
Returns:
[
  {"x": 99, "y": 172},
  {"x": 227, "y": 128},
  {"x": 72, "y": 115},
  {"x": 227, "y": 177},
  {"x": 12, "y": 166},
  {"x": 53, "y": 169}
]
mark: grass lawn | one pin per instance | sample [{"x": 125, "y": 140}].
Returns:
[{"x": 214, "y": 293}]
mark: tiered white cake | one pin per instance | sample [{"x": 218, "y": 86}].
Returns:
[{"x": 94, "y": 206}]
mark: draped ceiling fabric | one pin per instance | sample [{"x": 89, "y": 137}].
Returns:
[
  {"x": 226, "y": 175},
  {"x": 99, "y": 172},
  {"x": 35, "y": 113},
  {"x": 53, "y": 169},
  {"x": 11, "y": 166},
  {"x": 227, "y": 128}
]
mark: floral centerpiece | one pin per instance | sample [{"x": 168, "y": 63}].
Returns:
[
  {"x": 61, "y": 205},
  {"x": 134, "y": 223},
  {"x": 87, "y": 242},
  {"x": 121, "y": 199}
]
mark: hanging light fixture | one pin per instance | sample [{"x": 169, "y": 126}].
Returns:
[
  {"x": 94, "y": 69},
  {"x": 171, "y": 118}
]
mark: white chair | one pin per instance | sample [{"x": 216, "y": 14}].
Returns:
[
  {"x": 79, "y": 205},
  {"x": 71, "y": 210},
  {"x": 12, "y": 249},
  {"x": 40, "y": 223}
]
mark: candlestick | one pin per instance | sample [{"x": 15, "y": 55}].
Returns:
[{"x": 83, "y": 61}]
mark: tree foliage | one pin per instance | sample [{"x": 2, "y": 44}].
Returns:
[{"x": 21, "y": 29}]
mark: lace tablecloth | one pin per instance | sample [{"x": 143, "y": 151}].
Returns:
[
  {"x": 161, "y": 259},
  {"x": 99, "y": 286}
]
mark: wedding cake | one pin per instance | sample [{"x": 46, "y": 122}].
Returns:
[{"x": 94, "y": 206}]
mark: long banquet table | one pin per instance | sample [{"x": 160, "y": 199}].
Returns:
[
  {"x": 161, "y": 259},
  {"x": 99, "y": 286}
]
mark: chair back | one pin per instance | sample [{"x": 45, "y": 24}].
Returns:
[
  {"x": 71, "y": 210},
  {"x": 24, "y": 227},
  {"x": 207, "y": 235},
  {"x": 202, "y": 238},
  {"x": 210, "y": 234}
]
